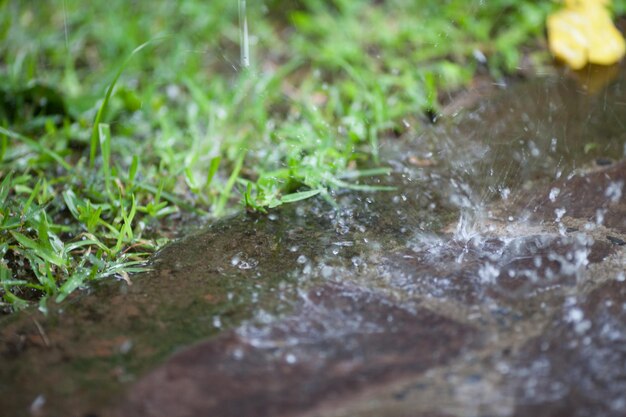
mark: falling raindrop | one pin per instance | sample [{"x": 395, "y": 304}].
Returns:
[{"x": 243, "y": 35}]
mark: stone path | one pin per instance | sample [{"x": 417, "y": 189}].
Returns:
[
  {"x": 492, "y": 283},
  {"x": 515, "y": 325}
]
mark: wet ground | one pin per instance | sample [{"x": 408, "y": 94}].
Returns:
[{"x": 491, "y": 283}]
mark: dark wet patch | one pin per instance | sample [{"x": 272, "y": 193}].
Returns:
[
  {"x": 97, "y": 343},
  {"x": 340, "y": 340}
]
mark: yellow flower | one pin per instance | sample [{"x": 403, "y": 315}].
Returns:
[{"x": 583, "y": 33}]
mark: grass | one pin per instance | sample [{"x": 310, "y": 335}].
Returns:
[{"x": 119, "y": 116}]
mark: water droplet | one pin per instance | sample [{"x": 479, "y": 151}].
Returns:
[
  {"x": 614, "y": 191},
  {"x": 342, "y": 229},
  {"x": 488, "y": 274},
  {"x": 356, "y": 261},
  {"x": 553, "y": 143},
  {"x": 37, "y": 405},
  {"x": 126, "y": 346},
  {"x": 600, "y": 216},
  {"x": 554, "y": 193},
  {"x": 479, "y": 56},
  {"x": 327, "y": 271},
  {"x": 248, "y": 264},
  {"x": 560, "y": 212},
  {"x": 238, "y": 353},
  {"x": 344, "y": 244},
  {"x": 534, "y": 150},
  {"x": 582, "y": 326},
  {"x": 575, "y": 315}
]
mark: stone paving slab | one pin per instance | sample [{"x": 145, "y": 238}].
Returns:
[
  {"x": 485, "y": 285},
  {"x": 522, "y": 307}
]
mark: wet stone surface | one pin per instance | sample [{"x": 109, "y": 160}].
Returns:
[
  {"x": 492, "y": 282},
  {"x": 595, "y": 196},
  {"x": 340, "y": 340},
  {"x": 577, "y": 366}
]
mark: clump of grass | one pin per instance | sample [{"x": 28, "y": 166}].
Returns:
[{"x": 98, "y": 150}]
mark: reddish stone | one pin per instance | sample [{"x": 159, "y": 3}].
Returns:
[
  {"x": 340, "y": 340},
  {"x": 586, "y": 195}
]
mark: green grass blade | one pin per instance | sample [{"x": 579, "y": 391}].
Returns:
[
  {"x": 132, "y": 171},
  {"x": 76, "y": 280},
  {"x": 213, "y": 167},
  {"x": 230, "y": 184},
  {"x": 16, "y": 302},
  {"x": 299, "y": 196},
  {"x": 70, "y": 202},
  {"x": 170, "y": 198},
  {"x": 39, "y": 250},
  {"x": 105, "y": 103},
  {"x": 104, "y": 134},
  {"x": 5, "y": 187},
  {"x": 36, "y": 146}
]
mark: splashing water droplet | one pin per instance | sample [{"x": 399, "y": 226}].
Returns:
[
  {"x": 560, "y": 212},
  {"x": 488, "y": 274},
  {"x": 614, "y": 191},
  {"x": 575, "y": 315},
  {"x": 553, "y": 143},
  {"x": 238, "y": 354},
  {"x": 554, "y": 193}
]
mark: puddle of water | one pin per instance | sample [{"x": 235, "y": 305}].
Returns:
[{"x": 399, "y": 295}]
